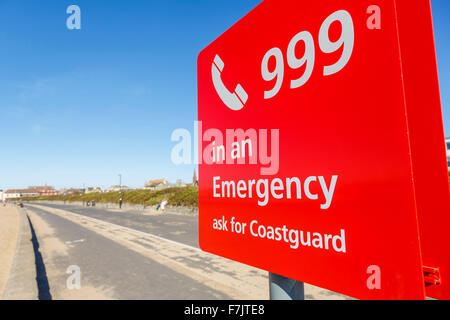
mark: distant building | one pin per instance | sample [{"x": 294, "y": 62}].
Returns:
[
  {"x": 118, "y": 188},
  {"x": 447, "y": 143},
  {"x": 2, "y": 194},
  {"x": 159, "y": 184},
  {"x": 194, "y": 179},
  {"x": 44, "y": 191},
  {"x": 93, "y": 190},
  {"x": 11, "y": 194},
  {"x": 71, "y": 191},
  {"x": 20, "y": 193},
  {"x": 179, "y": 183},
  {"x": 31, "y": 192}
]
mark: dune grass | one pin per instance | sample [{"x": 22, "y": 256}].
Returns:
[{"x": 184, "y": 196}]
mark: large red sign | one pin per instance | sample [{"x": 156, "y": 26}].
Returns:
[{"x": 322, "y": 147}]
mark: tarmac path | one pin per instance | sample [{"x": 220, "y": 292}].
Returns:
[
  {"x": 117, "y": 262},
  {"x": 132, "y": 255}
]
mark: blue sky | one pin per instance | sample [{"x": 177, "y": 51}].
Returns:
[{"x": 80, "y": 107}]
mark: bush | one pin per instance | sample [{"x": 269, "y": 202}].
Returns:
[{"x": 185, "y": 196}]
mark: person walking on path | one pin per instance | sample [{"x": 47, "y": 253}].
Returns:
[{"x": 161, "y": 206}]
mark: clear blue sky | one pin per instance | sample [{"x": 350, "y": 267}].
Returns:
[{"x": 80, "y": 107}]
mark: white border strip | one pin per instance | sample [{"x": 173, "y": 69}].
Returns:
[{"x": 121, "y": 227}]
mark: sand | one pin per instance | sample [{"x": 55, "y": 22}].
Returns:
[{"x": 9, "y": 229}]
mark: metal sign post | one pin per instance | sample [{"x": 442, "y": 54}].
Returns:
[{"x": 282, "y": 288}]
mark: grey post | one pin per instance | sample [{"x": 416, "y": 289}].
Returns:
[
  {"x": 120, "y": 191},
  {"x": 282, "y": 288}
]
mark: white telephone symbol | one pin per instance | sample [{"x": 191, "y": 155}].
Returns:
[{"x": 233, "y": 100}]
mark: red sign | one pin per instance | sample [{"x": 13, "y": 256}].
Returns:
[{"x": 322, "y": 147}]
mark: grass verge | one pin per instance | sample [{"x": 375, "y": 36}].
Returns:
[{"x": 178, "y": 197}]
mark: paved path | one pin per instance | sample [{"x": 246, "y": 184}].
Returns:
[
  {"x": 128, "y": 255},
  {"x": 9, "y": 228},
  {"x": 183, "y": 229},
  {"x": 121, "y": 263}
]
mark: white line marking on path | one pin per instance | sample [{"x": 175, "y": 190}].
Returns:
[
  {"x": 125, "y": 228},
  {"x": 75, "y": 241}
]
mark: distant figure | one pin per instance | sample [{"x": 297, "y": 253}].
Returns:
[{"x": 161, "y": 206}]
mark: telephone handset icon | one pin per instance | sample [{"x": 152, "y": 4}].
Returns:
[{"x": 233, "y": 100}]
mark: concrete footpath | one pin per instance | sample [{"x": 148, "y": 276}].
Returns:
[
  {"x": 18, "y": 267},
  {"x": 9, "y": 229}
]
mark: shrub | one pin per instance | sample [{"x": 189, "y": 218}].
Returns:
[{"x": 184, "y": 196}]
